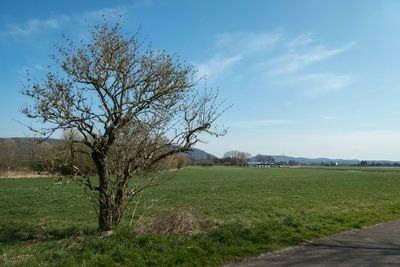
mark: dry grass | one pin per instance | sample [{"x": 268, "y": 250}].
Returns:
[
  {"x": 22, "y": 174},
  {"x": 182, "y": 221},
  {"x": 14, "y": 260},
  {"x": 75, "y": 243}
]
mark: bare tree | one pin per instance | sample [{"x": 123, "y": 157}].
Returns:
[
  {"x": 235, "y": 157},
  {"x": 131, "y": 106},
  {"x": 33, "y": 153},
  {"x": 7, "y": 154}
]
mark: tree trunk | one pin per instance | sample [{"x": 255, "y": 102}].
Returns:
[
  {"x": 118, "y": 206},
  {"x": 105, "y": 212}
]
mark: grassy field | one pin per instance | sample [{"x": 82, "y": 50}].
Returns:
[{"x": 253, "y": 210}]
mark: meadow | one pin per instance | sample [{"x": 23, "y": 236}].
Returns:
[{"x": 249, "y": 211}]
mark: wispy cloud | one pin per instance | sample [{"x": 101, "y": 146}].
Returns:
[
  {"x": 320, "y": 83},
  {"x": 288, "y": 67},
  {"x": 246, "y": 42},
  {"x": 295, "y": 66},
  {"x": 113, "y": 13},
  {"x": 34, "y": 26},
  {"x": 294, "y": 61},
  {"x": 301, "y": 40},
  {"x": 216, "y": 65},
  {"x": 232, "y": 48}
]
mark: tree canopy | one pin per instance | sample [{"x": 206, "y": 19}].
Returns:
[{"x": 130, "y": 107}]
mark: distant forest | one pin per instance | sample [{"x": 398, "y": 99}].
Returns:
[
  {"x": 22, "y": 154},
  {"x": 28, "y": 155},
  {"x": 25, "y": 154}
]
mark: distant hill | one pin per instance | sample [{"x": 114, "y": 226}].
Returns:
[
  {"x": 22, "y": 147},
  {"x": 316, "y": 161},
  {"x": 24, "y": 140},
  {"x": 198, "y": 154}
]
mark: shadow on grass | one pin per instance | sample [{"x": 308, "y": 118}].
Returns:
[{"x": 15, "y": 233}]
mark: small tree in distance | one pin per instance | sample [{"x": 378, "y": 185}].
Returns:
[
  {"x": 130, "y": 107},
  {"x": 235, "y": 157},
  {"x": 7, "y": 154}
]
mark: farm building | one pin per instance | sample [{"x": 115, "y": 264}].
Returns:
[{"x": 259, "y": 164}]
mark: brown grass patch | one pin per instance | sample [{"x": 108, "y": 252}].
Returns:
[
  {"x": 14, "y": 260},
  {"x": 22, "y": 174},
  {"x": 75, "y": 243},
  {"x": 181, "y": 221}
]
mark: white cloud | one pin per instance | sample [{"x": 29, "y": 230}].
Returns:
[
  {"x": 287, "y": 69},
  {"x": 301, "y": 40},
  {"x": 232, "y": 48},
  {"x": 246, "y": 42},
  {"x": 294, "y": 61},
  {"x": 37, "y": 25},
  {"x": 113, "y": 13},
  {"x": 321, "y": 83},
  {"x": 216, "y": 65},
  {"x": 299, "y": 52}
]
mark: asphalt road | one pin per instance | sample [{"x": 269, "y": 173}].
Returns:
[{"x": 378, "y": 245}]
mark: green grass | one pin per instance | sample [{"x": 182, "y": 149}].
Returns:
[{"x": 257, "y": 210}]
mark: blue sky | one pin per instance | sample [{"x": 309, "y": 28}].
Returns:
[{"x": 306, "y": 78}]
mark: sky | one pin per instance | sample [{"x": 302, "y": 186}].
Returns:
[{"x": 304, "y": 78}]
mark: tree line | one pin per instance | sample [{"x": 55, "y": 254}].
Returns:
[
  {"x": 23, "y": 154},
  {"x": 28, "y": 155}
]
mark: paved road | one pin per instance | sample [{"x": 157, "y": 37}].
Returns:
[{"x": 378, "y": 245}]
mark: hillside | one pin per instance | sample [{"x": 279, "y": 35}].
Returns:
[
  {"x": 198, "y": 154},
  {"x": 23, "y": 147},
  {"x": 318, "y": 161}
]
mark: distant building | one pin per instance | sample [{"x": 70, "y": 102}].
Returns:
[
  {"x": 260, "y": 164},
  {"x": 252, "y": 164}
]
